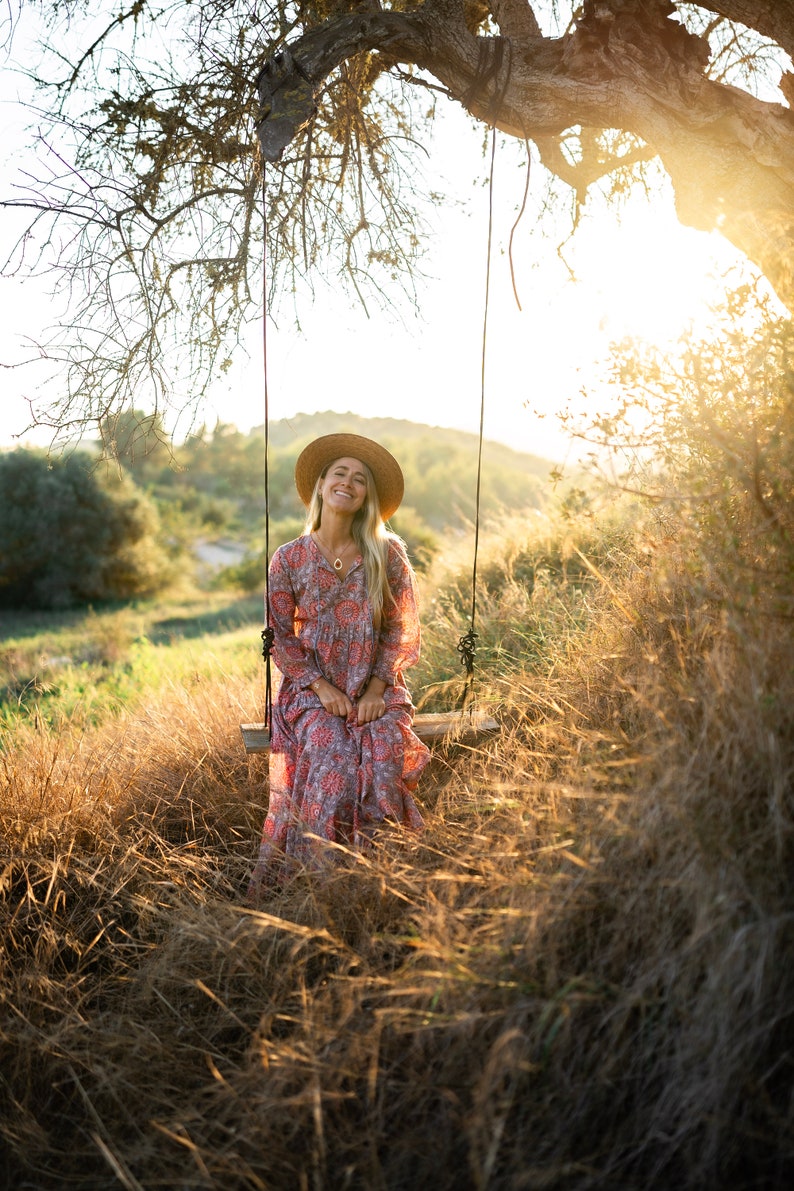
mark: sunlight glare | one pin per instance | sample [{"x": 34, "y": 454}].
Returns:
[{"x": 656, "y": 279}]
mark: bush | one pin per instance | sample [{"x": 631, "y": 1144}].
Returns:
[
  {"x": 67, "y": 537},
  {"x": 706, "y": 434}
]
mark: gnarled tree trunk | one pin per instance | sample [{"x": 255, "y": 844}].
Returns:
[{"x": 626, "y": 65}]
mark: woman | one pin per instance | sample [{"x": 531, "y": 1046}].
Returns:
[{"x": 343, "y": 609}]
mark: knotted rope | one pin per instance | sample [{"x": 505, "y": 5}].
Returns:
[{"x": 267, "y": 634}]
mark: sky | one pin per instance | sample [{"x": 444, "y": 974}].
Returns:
[{"x": 638, "y": 272}]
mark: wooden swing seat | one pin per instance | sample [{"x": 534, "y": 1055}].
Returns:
[{"x": 464, "y": 726}]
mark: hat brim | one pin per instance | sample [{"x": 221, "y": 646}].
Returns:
[{"x": 385, "y": 469}]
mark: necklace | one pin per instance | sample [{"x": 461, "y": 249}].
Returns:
[{"x": 337, "y": 563}]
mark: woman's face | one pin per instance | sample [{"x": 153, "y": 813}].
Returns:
[{"x": 344, "y": 486}]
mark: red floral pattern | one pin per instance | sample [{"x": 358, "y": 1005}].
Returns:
[{"x": 329, "y": 777}]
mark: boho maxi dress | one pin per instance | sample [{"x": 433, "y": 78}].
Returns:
[{"x": 331, "y": 777}]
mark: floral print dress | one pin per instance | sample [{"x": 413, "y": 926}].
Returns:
[{"x": 331, "y": 778}]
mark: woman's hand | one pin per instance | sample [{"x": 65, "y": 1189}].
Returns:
[
  {"x": 333, "y": 700},
  {"x": 371, "y": 705}
]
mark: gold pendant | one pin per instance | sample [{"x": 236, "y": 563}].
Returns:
[{"x": 337, "y": 564}]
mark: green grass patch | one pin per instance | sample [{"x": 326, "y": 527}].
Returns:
[{"x": 83, "y": 667}]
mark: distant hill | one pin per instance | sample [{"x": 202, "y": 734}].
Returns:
[
  {"x": 439, "y": 464},
  {"x": 296, "y": 432},
  {"x": 215, "y": 479}
]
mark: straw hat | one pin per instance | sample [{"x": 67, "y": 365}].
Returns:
[{"x": 384, "y": 467}]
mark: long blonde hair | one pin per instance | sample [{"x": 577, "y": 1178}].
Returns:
[{"x": 370, "y": 535}]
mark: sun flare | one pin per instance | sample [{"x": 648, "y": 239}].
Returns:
[{"x": 656, "y": 278}]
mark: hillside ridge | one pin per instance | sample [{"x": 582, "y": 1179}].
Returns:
[{"x": 303, "y": 427}]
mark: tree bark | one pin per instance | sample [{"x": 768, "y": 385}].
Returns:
[{"x": 625, "y": 65}]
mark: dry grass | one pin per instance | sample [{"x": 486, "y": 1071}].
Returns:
[{"x": 580, "y": 976}]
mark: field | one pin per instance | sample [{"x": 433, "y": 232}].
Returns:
[{"x": 579, "y": 976}]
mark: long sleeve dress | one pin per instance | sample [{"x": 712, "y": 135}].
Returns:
[{"x": 331, "y": 777}]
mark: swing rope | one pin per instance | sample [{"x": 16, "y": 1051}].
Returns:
[
  {"x": 267, "y": 634},
  {"x": 467, "y": 645},
  {"x": 486, "y": 71}
]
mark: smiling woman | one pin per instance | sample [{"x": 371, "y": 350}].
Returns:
[
  {"x": 343, "y": 492},
  {"x": 345, "y": 623}
]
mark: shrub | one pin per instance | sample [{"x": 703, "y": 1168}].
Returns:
[{"x": 68, "y": 537}]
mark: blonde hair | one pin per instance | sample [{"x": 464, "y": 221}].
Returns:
[{"x": 370, "y": 535}]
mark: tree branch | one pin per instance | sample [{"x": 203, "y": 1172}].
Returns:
[
  {"x": 770, "y": 18},
  {"x": 515, "y": 19},
  {"x": 580, "y": 176},
  {"x": 624, "y": 65}
]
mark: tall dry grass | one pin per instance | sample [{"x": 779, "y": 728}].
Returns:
[{"x": 580, "y": 976}]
